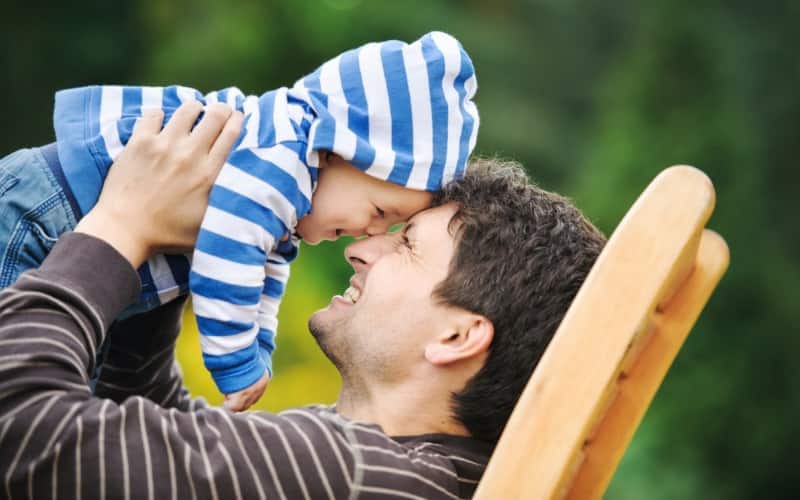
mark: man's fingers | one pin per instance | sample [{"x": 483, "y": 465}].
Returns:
[
  {"x": 183, "y": 119},
  {"x": 210, "y": 125},
  {"x": 149, "y": 123},
  {"x": 225, "y": 141}
]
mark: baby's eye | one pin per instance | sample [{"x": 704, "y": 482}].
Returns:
[{"x": 379, "y": 212}]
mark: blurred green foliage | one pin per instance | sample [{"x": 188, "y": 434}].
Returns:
[{"x": 594, "y": 98}]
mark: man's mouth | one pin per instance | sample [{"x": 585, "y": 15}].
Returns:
[{"x": 352, "y": 294}]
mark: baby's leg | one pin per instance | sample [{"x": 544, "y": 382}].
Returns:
[{"x": 34, "y": 212}]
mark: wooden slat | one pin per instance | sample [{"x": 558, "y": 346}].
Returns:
[
  {"x": 638, "y": 385},
  {"x": 644, "y": 263}
]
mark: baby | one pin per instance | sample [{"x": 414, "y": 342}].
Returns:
[{"x": 351, "y": 149}]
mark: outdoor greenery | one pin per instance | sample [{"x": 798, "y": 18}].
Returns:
[{"x": 594, "y": 98}]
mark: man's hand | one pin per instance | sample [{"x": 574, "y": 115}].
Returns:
[
  {"x": 156, "y": 192},
  {"x": 244, "y": 399}
]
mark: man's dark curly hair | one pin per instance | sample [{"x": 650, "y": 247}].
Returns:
[{"x": 521, "y": 255}]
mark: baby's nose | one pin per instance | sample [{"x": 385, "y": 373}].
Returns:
[{"x": 377, "y": 228}]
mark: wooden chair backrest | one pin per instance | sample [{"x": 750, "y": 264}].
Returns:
[{"x": 608, "y": 357}]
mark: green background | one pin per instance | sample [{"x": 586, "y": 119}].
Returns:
[{"x": 594, "y": 98}]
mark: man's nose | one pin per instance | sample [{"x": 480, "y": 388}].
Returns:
[{"x": 362, "y": 254}]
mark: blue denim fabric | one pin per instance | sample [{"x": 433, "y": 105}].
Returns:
[
  {"x": 34, "y": 212},
  {"x": 36, "y": 207}
]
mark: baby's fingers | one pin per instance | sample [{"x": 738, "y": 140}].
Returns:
[
  {"x": 244, "y": 399},
  {"x": 236, "y": 401}
]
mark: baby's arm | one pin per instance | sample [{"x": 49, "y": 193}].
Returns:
[
  {"x": 254, "y": 203},
  {"x": 274, "y": 286}
]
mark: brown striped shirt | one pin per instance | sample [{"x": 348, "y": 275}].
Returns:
[{"x": 142, "y": 436}]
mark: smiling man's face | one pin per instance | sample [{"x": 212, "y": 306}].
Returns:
[{"x": 378, "y": 329}]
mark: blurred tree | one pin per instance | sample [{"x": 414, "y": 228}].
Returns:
[{"x": 690, "y": 87}]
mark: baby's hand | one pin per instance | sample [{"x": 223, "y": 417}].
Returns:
[{"x": 244, "y": 399}]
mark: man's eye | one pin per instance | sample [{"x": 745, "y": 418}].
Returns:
[
  {"x": 328, "y": 156},
  {"x": 403, "y": 242}
]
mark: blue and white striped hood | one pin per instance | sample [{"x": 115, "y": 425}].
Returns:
[{"x": 399, "y": 112}]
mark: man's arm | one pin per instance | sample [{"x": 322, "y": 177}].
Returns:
[{"x": 57, "y": 440}]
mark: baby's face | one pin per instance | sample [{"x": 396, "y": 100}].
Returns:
[{"x": 348, "y": 202}]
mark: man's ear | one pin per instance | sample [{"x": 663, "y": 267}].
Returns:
[{"x": 470, "y": 337}]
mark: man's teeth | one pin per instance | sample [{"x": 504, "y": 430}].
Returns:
[{"x": 352, "y": 294}]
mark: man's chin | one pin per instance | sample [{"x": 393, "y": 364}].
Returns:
[
  {"x": 324, "y": 332},
  {"x": 320, "y": 317},
  {"x": 316, "y": 322},
  {"x": 324, "y": 323}
]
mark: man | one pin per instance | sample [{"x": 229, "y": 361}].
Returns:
[{"x": 435, "y": 338}]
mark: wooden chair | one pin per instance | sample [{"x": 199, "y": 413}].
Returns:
[{"x": 594, "y": 383}]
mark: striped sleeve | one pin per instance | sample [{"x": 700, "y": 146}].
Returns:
[
  {"x": 255, "y": 202},
  {"x": 274, "y": 287}
]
